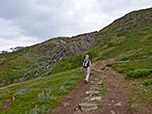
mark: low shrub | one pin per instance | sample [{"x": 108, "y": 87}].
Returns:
[
  {"x": 139, "y": 73},
  {"x": 147, "y": 83},
  {"x": 103, "y": 68},
  {"x": 45, "y": 97},
  {"x": 37, "y": 110},
  {"x": 91, "y": 73},
  {"x": 109, "y": 65},
  {"x": 126, "y": 57},
  {"x": 63, "y": 89},
  {"x": 109, "y": 44},
  {"x": 70, "y": 83}
]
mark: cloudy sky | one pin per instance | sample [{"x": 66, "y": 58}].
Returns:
[{"x": 27, "y": 22}]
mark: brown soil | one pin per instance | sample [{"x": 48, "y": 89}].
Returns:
[
  {"x": 116, "y": 93},
  {"x": 74, "y": 98}
]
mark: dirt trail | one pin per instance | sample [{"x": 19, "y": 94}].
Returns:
[{"x": 115, "y": 101}]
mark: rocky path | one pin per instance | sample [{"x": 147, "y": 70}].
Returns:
[{"x": 90, "y": 99}]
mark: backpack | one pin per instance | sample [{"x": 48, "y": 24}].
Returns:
[{"x": 85, "y": 63}]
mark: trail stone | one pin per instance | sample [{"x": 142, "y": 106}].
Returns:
[
  {"x": 88, "y": 107},
  {"x": 109, "y": 104},
  {"x": 100, "y": 82},
  {"x": 98, "y": 98},
  {"x": 112, "y": 101},
  {"x": 112, "y": 112},
  {"x": 95, "y": 88},
  {"x": 96, "y": 79},
  {"x": 66, "y": 104},
  {"x": 118, "y": 104},
  {"x": 87, "y": 99},
  {"x": 92, "y": 92},
  {"x": 91, "y": 82}
]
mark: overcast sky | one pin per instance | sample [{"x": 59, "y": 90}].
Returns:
[{"x": 27, "y": 22}]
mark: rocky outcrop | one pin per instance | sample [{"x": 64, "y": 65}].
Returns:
[{"x": 61, "y": 47}]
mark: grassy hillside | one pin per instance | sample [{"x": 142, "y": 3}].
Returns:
[
  {"x": 50, "y": 63},
  {"x": 130, "y": 38},
  {"x": 38, "y": 60},
  {"x": 43, "y": 94}
]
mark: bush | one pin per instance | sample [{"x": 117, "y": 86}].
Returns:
[
  {"x": 68, "y": 64},
  {"x": 62, "y": 89},
  {"x": 126, "y": 57},
  {"x": 139, "y": 73},
  {"x": 37, "y": 110},
  {"x": 122, "y": 33},
  {"x": 2, "y": 95},
  {"x": 147, "y": 83},
  {"x": 103, "y": 68},
  {"x": 70, "y": 83},
  {"x": 109, "y": 65},
  {"x": 45, "y": 96},
  {"x": 109, "y": 44}
]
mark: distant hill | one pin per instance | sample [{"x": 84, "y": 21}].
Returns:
[{"x": 11, "y": 49}]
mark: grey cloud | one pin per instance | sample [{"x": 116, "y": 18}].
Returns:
[{"x": 24, "y": 20}]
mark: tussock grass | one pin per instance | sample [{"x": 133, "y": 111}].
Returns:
[{"x": 139, "y": 73}]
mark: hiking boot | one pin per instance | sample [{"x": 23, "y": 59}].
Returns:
[{"x": 86, "y": 81}]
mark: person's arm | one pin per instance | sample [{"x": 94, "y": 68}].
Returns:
[{"x": 90, "y": 63}]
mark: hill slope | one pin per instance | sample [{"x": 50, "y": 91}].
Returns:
[
  {"x": 129, "y": 38},
  {"x": 37, "y": 60}
]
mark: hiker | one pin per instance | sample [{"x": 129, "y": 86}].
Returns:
[{"x": 86, "y": 66}]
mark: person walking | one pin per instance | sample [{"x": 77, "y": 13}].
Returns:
[{"x": 86, "y": 66}]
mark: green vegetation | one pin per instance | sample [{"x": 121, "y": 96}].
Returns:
[
  {"x": 147, "y": 83},
  {"x": 140, "y": 94},
  {"x": 139, "y": 73},
  {"x": 43, "y": 93},
  {"x": 68, "y": 63}
]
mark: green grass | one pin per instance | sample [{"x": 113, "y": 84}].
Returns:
[
  {"x": 147, "y": 83},
  {"x": 139, "y": 73},
  {"x": 140, "y": 93},
  {"x": 44, "y": 92}
]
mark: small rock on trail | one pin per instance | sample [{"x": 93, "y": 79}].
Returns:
[
  {"x": 97, "y": 98},
  {"x": 92, "y": 92},
  {"x": 118, "y": 104},
  {"x": 66, "y": 104},
  {"x": 88, "y": 107}
]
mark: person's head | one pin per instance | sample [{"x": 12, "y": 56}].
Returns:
[{"x": 87, "y": 56}]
